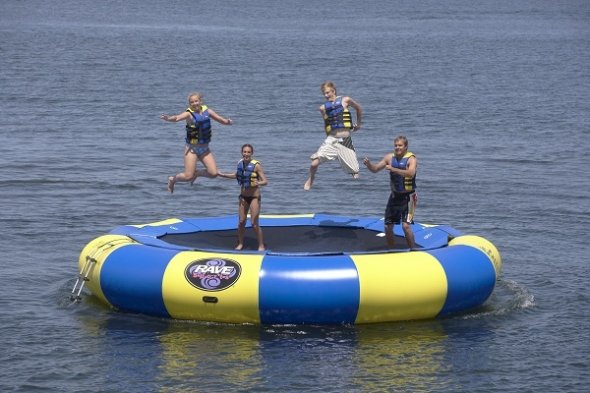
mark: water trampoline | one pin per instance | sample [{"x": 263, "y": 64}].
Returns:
[{"x": 317, "y": 269}]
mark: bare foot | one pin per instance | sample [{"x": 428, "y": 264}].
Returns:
[
  {"x": 261, "y": 248},
  {"x": 171, "y": 181},
  {"x": 239, "y": 247},
  {"x": 355, "y": 176},
  {"x": 308, "y": 184}
]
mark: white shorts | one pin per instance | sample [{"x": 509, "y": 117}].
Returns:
[{"x": 334, "y": 148}]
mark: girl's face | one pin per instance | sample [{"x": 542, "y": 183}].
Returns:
[
  {"x": 194, "y": 102},
  {"x": 247, "y": 153}
]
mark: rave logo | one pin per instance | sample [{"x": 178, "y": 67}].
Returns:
[{"x": 213, "y": 274}]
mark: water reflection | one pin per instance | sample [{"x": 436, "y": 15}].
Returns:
[
  {"x": 211, "y": 357},
  {"x": 185, "y": 356},
  {"x": 402, "y": 357},
  {"x": 188, "y": 356}
]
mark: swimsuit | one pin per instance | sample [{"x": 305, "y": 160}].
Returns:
[
  {"x": 249, "y": 199},
  {"x": 400, "y": 208},
  {"x": 198, "y": 150}
]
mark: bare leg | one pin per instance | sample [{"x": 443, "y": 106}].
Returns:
[
  {"x": 190, "y": 162},
  {"x": 389, "y": 236},
  {"x": 210, "y": 166},
  {"x": 312, "y": 171},
  {"x": 254, "y": 215},
  {"x": 242, "y": 216},
  {"x": 409, "y": 234}
]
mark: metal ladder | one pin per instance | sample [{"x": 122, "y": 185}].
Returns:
[
  {"x": 83, "y": 275},
  {"x": 82, "y": 278}
]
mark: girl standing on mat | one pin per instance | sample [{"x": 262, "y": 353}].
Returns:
[
  {"x": 251, "y": 177},
  {"x": 198, "y": 135}
]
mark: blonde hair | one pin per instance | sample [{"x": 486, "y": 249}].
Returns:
[
  {"x": 328, "y": 84},
  {"x": 195, "y": 94}
]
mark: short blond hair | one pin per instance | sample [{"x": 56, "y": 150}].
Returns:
[{"x": 328, "y": 84}]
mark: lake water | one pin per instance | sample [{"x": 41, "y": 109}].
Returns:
[{"x": 494, "y": 97}]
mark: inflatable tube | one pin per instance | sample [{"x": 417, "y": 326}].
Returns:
[{"x": 317, "y": 269}]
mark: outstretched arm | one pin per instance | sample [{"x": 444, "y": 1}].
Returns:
[
  {"x": 229, "y": 175},
  {"x": 378, "y": 166},
  {"x": 220, "y": 119},
  {"x": 175, "y": 118}
]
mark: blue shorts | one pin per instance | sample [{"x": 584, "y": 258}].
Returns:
[
  {"x": 400, "y": 208},
  {"x": 198, "y": 150}
]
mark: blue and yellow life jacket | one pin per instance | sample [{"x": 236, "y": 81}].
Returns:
[
  {"x": 401, "y": 184},
  {"x": 336, "y": 116},
  {"x": 200, "y": 130},
  {"x": 246, "y": 175}
]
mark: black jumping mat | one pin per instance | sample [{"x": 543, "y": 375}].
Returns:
[{"x": 291, "y": 239}]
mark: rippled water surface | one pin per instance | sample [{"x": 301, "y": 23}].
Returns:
[{"x": 494, "y": 97}]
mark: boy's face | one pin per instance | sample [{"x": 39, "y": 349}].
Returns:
[
  {"x": 399, "y": 148},
  {"x": 329, "y": 94}
]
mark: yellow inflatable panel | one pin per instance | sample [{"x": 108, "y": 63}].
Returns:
[
  {"x": 400, "y": 286},
  {"x": 237, "y": 303}
]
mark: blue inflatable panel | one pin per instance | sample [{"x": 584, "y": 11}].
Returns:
[
  {"x": 470, "y": 275},
  {"x": 131, "y": 279},
  {"x": 122, "y": 230},
  {"x": 213, "y": 223},
  {"x": 449, "y": 230},
  {"x": 430, "y": 237},
  {"x": 177, "y": 227},
  {"x": 375, "y": 225},
  {"x": 319, "y": 290},
  {"x": 156, "y": 242}
]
